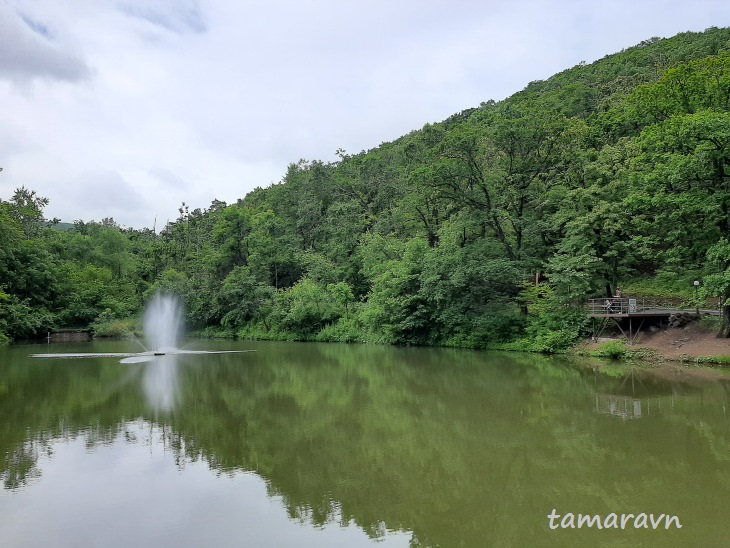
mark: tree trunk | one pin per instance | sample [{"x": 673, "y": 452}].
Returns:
[{"x": 725, "y": 327}]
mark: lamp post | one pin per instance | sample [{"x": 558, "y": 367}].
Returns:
[{"x": 697, "y": 298}]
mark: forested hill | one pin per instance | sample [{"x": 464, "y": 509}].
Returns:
[{"x": 613, "y": 173}]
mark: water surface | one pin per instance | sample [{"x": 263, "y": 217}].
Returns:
[{"x": 337, "y": 445}]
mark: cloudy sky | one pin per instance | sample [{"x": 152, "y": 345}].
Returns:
[{"x": 127, "y": 108}]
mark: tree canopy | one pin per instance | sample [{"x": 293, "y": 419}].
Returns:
[{"x": 616, "y": 172}]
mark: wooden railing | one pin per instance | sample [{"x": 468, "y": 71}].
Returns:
[
  {"x": 613, "y": 305},
  {"x": 632, "y": 305}
]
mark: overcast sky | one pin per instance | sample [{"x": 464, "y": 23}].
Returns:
[{"x": 127, "y": 108}]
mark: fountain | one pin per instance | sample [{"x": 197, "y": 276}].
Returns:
[
  {"x": 162, "y": 321},
  {"x": 162, "y": 324}
]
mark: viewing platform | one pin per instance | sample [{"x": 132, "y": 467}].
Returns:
[
  {"x": 624, "y": 307},
  {"x": 630, "y": 313}
]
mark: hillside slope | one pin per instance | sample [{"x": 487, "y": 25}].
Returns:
[{"x": 487, "y": 229}]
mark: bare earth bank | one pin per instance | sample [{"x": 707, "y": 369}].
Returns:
[{"x": 679, "y": 344}]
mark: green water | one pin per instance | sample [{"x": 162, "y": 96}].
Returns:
[{"x": 335, "y": 445}]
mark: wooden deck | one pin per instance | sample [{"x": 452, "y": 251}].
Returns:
[
  {"x": 626, "y": 307},
  {"x": 617, "y": 309}
]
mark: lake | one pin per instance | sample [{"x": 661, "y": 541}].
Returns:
[{"x": 301, "y": 444}]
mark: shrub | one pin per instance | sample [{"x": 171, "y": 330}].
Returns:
[
  {"x": 347, "y": 330},
  {"x": 106, "y": 325},
  {"x": 612, "y": 349}
]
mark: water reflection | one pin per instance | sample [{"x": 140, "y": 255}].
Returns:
[
  {"x": 456, "y": 448},
  {"x": 641, "y": 392},
  {"x": 623, "y": 407},
  {"x": 139, "y": 488},
  {"x": 161, "y": 383}
]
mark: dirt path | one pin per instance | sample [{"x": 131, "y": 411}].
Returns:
[{"x": 688, "y": 342}]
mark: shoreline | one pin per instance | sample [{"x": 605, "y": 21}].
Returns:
[{"x": 687, "y": 345}]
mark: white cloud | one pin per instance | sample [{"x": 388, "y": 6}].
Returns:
[
  {"x": 175, "y": 15},
  {"x": 168, "y": 101},
  {"x": 101, "y": 191},
  {"x": 29, "y": 49}
]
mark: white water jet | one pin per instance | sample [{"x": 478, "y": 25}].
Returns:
[{"x": 162, "y": 323}]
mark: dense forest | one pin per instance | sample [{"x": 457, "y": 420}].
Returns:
[{"x": 488, "y": 229}]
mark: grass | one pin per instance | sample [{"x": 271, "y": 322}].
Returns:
[{"x": 718, "y": 360}]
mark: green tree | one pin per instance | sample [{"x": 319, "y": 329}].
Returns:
[
  {"x": 242, "y": 299},
  {"x": 306, "y": 308},
  {"x": 27, "y": 208},
  {"x": 718, "y": 283}
]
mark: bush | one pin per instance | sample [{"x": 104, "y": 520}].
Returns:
[
  {"x": 106, "y": 325},
  {"x": 612, "y": 349},
  {"x": 710, "y": 323},
  {"x": 666, "y": 284},
  {"x": 214, "y": 332},
  {"x": 347, "y": 330},
  {"x": 548, "y": 342},
  {"x": 306, "y": 308},
  {"x": 555, "y": 341},
  {"x": 23, "y": 320},
  {"x": 496, "y": 327},
  {"x": 259, "y": 332}
]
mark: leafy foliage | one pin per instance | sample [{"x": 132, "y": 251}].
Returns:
[{"x": 613, "y": 173}]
